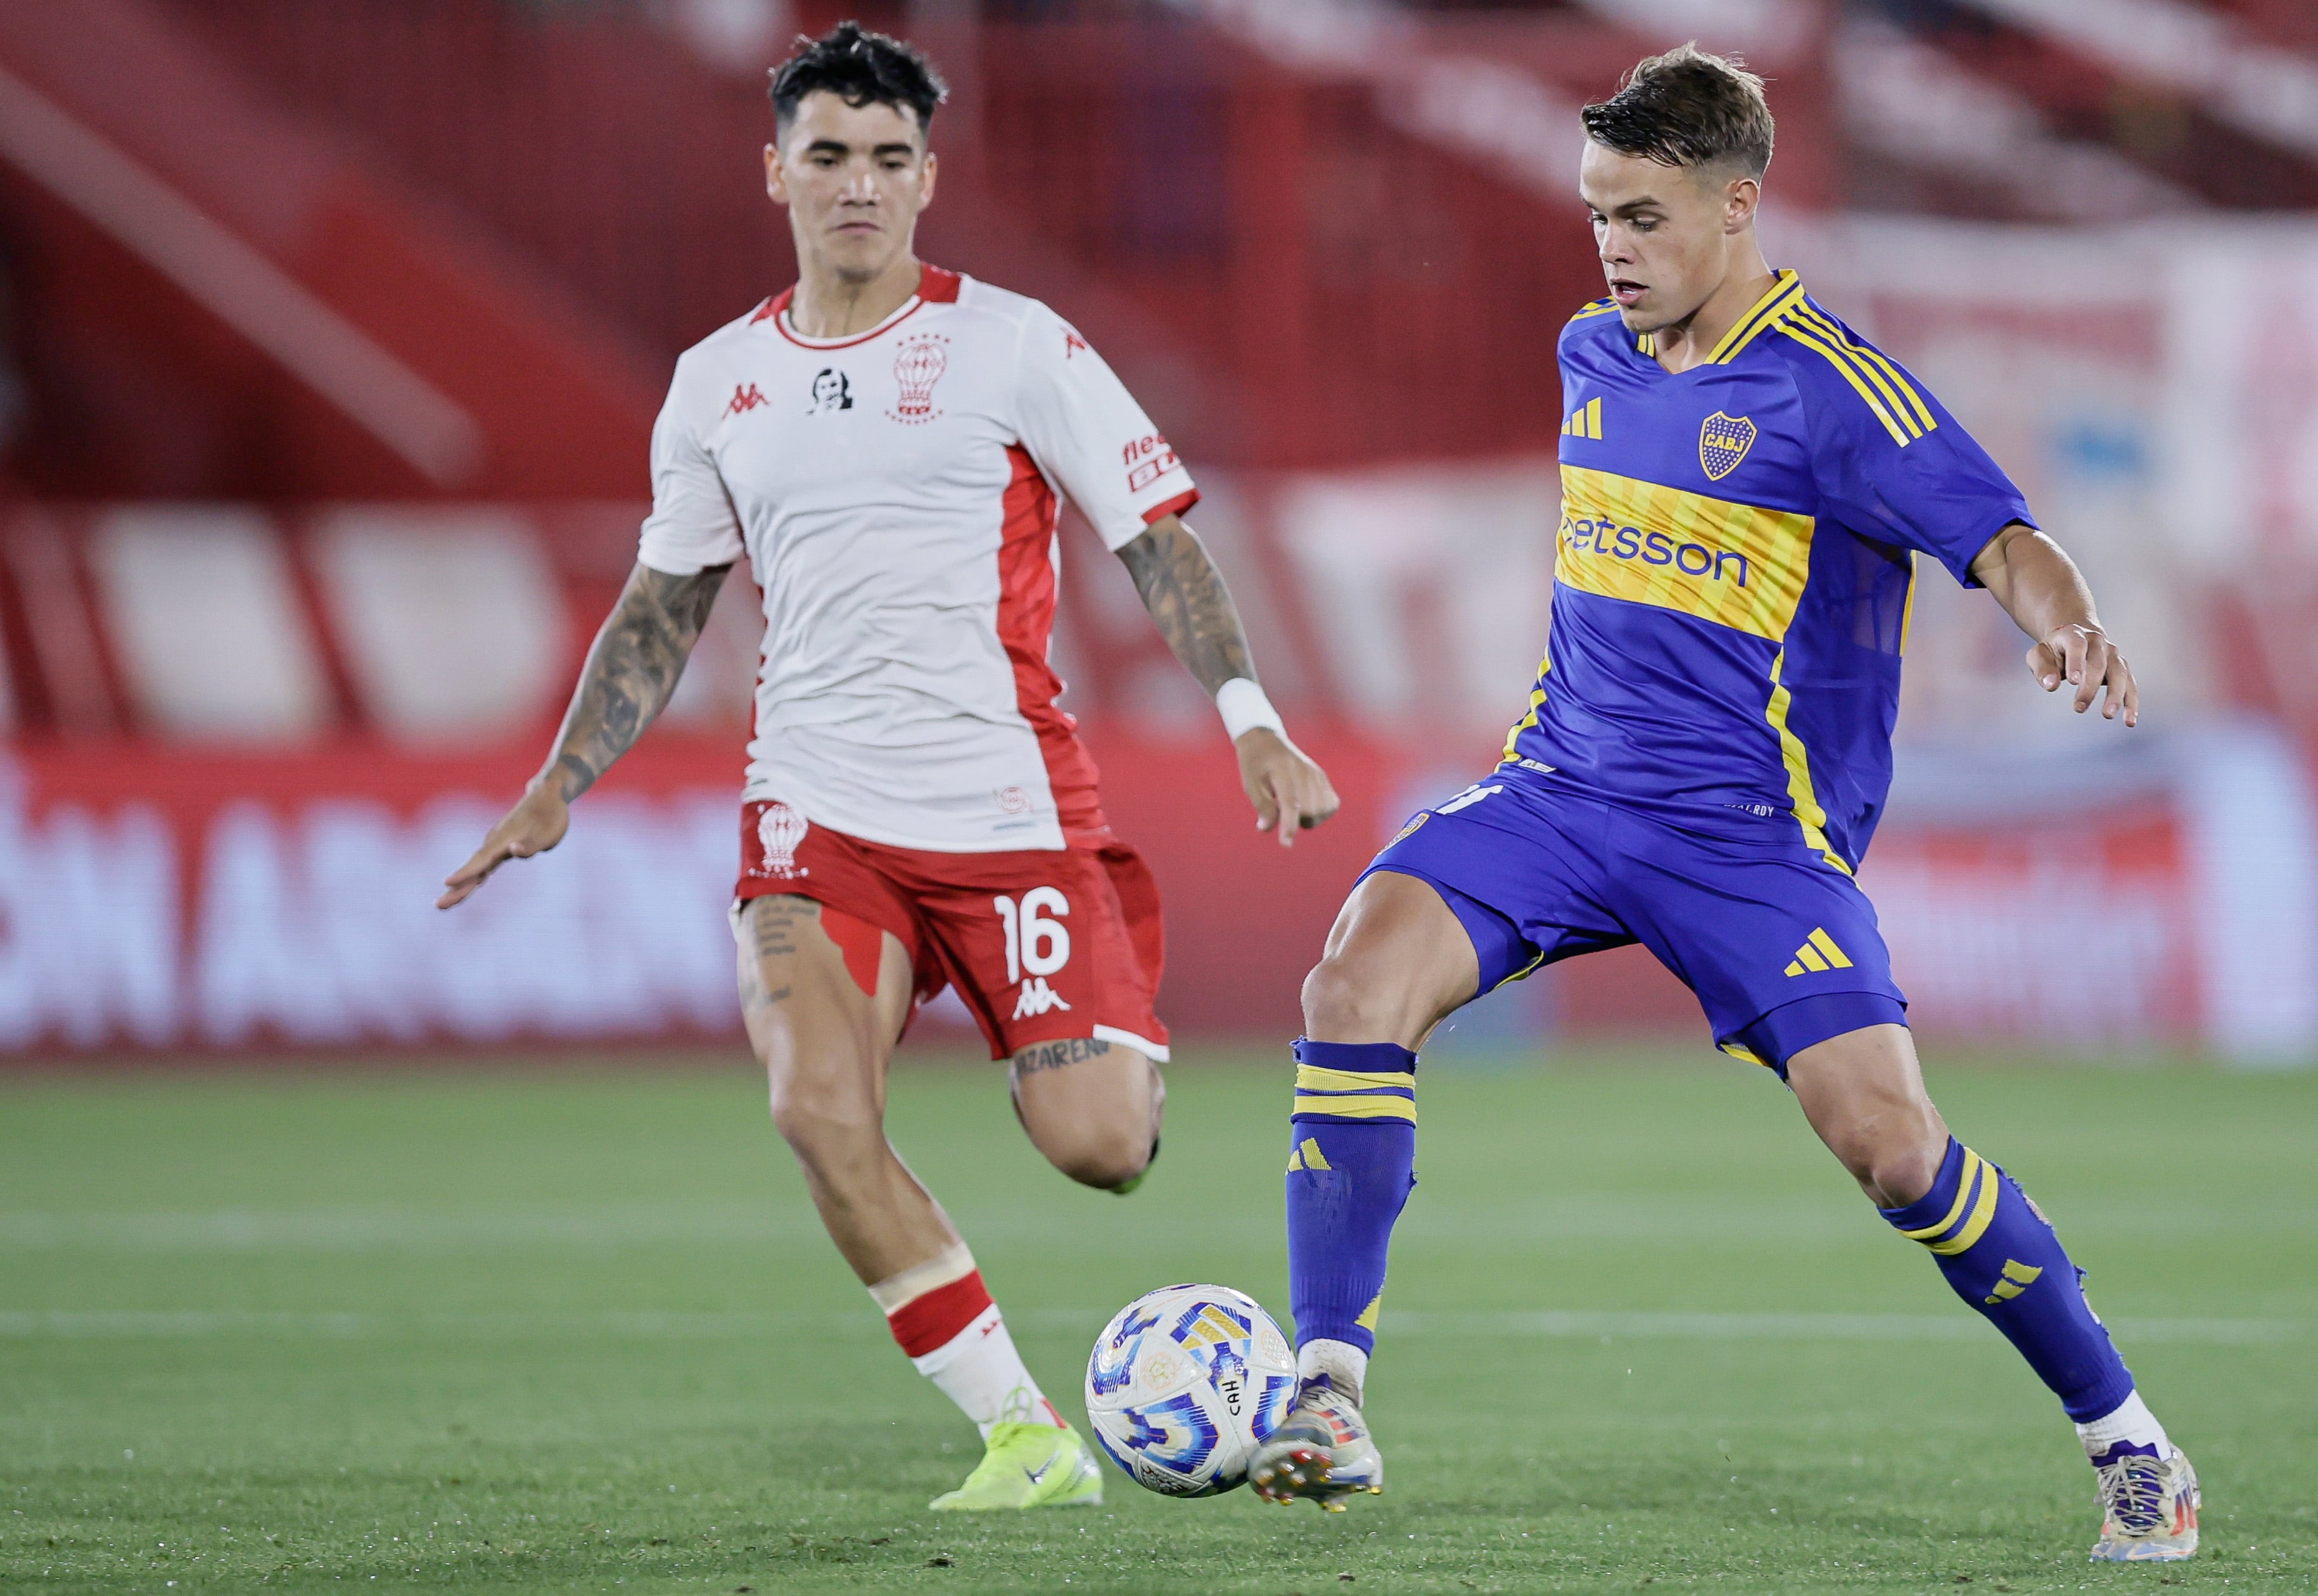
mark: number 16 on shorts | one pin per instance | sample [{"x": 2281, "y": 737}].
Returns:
[{"x": 1038, "y": 945}]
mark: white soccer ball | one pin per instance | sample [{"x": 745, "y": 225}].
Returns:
[{"x": 1184, "y": 1384}]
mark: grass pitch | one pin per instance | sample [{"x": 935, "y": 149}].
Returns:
[{"x": 580, "y": 1332}]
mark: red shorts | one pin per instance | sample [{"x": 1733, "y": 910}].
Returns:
[{"x": 1044, "y": 945}]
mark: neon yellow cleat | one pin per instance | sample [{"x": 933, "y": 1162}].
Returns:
[{"x": 1029, "y": 1465}]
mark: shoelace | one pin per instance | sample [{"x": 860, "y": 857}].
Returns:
[{"x": 2133, "y": 1493}]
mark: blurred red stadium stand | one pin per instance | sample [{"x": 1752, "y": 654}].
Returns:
[{"x": 330, "y": 336}]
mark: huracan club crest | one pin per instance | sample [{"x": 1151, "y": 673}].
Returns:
[
  {"x": 1722, "y": 443},
  {"x": 918, "y": 365},
  {"x": 780, "y": 831}
]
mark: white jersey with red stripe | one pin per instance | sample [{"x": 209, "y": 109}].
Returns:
[{"x": 896, "y": 494}]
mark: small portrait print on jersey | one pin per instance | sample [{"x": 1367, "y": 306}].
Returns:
[
  {"x": 1722, "y": 443},
  {"x": 831, "y": 390},
  {"x": 918, "y": 365}
]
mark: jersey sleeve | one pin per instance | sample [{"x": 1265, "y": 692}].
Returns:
[
  {"x": 1890, "y": 462},
  {"x": 692, "y": 526},
  {"x": 1086, "y": 431}
]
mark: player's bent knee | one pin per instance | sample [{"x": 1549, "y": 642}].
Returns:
[
  {"x": 1344, "y": 1001},
  {"x": 1901, "y": 1172},
  {"x": 1105, "y": 1158},
  {"x": 815, "y": 1120},
  {"x": 1093, "y": 1108}
]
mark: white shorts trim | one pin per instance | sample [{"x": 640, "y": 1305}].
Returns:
[{"x": 1155, "y": 1051}]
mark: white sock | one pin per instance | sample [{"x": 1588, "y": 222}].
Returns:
[
  {"x": 1345, "y": 1365},
  {"x": 979, "y": 1369},
  {"x": 2130, "y": 1421}
]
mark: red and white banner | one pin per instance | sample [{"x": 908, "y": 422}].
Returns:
[{"x": 164, "y": 903}]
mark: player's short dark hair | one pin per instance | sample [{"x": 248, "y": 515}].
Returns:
[
  {"x": 1687, "y": 108},
  {"x": 861, "y": 68}
]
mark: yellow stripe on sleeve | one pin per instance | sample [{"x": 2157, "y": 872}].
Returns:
[
  {"x": 1857, "y": 358},
  {"x": 1358, "y": 1108},
  {"x": 1889, "y": 367},
  {"x": 1803, "y": 335}
]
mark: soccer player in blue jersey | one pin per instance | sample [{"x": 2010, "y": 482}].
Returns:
[{"x": 1747, "y": 487}]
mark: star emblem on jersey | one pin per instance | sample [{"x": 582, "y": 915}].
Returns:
[
  {"x": 918, "y": 365},
  {"x": 1722, "y": 443}
]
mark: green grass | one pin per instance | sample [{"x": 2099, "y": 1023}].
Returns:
[{"x": 560, "y": 1332}]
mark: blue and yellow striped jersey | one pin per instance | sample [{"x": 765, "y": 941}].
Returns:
[{"x": 1736, "y": 566}]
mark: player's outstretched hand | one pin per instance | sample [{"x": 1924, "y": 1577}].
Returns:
[
  {"x": 2083, "y": 656},
  {"x": 537, "y": 823},
  {"x": 1291, "y": 793}
]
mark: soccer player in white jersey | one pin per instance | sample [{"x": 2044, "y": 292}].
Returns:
[{"x": 886, "y": 445}]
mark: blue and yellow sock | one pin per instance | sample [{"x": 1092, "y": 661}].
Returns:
[
  {"x": 1351, "y": 1166},
  {"x": 2001, "y": 1256}
]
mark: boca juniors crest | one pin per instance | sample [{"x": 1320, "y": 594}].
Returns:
[{"x": 1722, "y": 443}]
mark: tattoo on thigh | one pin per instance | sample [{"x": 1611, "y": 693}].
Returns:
[
  {"x": 1055, "y": 1056},
  {"x": 776, "y": 922}
]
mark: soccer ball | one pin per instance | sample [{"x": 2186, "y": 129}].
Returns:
[{"x": 1184, "y": 1384}]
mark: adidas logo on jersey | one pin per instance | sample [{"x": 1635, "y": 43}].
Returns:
[
  {"x": 1037, "y": 998},
  {"x": 1585, "y": 422},
  {"x": 1818, "y": 954}
]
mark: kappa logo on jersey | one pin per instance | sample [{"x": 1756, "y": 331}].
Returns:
[
  {"x": 780, "y": 830},
  {"x": 917, "y": 367},
  {"x": 831, "y": 390},
  {"x": 1072, "y": 342},
  {"x": 1037, "y": 998},
  {"x": 745, "y": 397},
  {"x": 1722, "y": 443},
  {"x": 1147, "y": 459}
]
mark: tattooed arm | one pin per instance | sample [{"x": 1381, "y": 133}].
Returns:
[
  {"x": 1186, "y": 596},
  {"x": 630, "y": 674}
]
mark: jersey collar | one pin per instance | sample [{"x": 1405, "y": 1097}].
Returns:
[
  {"x": 935, "y": 287},
  {"x": 1786, "y": 293}
]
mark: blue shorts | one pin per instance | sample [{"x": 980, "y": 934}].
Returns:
[{"x": 1781, "y": 947}]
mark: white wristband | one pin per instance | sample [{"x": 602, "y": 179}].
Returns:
[{"x": 1244, "y": 707}]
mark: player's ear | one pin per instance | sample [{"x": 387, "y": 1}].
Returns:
[
  {"x": 1740, "y": 198},
  {"x": 926, "y": 181},
  {"x": 776, "y": 183}
]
